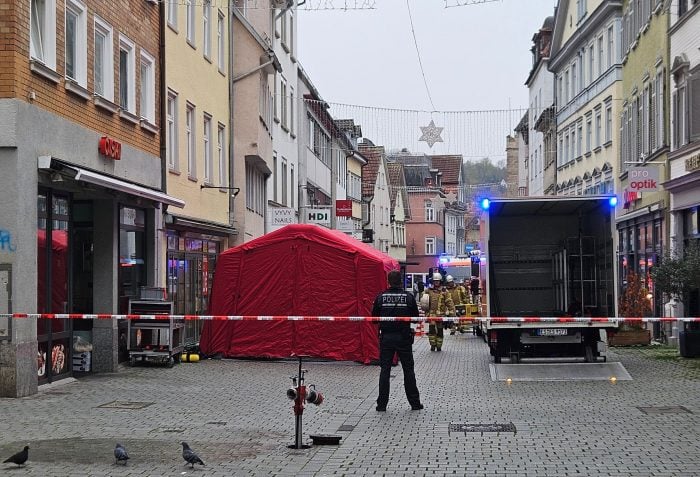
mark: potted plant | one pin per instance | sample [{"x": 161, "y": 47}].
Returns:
[
  {"x": 634, "y": 303},
  {"x": 677, "y": 276}
]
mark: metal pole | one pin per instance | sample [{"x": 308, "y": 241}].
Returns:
[{"x": 297, "y": 422}]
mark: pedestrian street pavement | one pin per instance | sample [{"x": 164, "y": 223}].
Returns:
[{"x": 235, "y": 415}]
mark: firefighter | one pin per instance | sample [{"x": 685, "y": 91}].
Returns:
[
  {"x": 439, "y": 304},
  {"x": 459, "y": 298}
]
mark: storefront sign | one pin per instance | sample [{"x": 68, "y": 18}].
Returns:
[
  {"x": 629, "y": 196},
  {"x": 318, "y": 216},
  {"x": 692, "y": 163},
  {"x": 110, "y": 147},
  {"x": 343, "y": 208},
  {"x": 282, "y": 216},
  {"x": 644, "y": 179},
  {"x": 346, "y": 226}
]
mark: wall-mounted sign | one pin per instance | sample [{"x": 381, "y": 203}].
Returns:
[
  {"x": 343, "y": 208},
  {"x": 628, "y": 197},
  {"x": 346, "y": 226},
  {"x": 318, "y": 216},
  {"x": 282, "y": 216},
  {"x": 110, "y": 147},
  {"x": 692, "y": 163},
  {"x": 643, "y": 179}
]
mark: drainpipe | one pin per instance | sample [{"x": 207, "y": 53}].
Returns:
[
  {"x": 231, "y": 174},
  {"x": 163, "y": 138}
]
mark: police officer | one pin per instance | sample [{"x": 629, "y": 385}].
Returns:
[{"x": 396, "y": 337}]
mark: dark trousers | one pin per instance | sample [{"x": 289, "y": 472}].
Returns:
[{"x": 401, "y": 344}]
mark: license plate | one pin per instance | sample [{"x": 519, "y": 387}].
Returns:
[{"x": 551, "y": 332}]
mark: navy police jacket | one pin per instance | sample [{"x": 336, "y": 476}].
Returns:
[{"x": 395, "y": 302}]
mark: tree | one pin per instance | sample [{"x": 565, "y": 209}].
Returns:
[
  {"x": 678, "y": 273},
  {"x": 483, "y": 172},
  {"x": 634, "y": 301}
]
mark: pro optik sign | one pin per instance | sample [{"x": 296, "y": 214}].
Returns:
[{"x": 643, "y": 179}]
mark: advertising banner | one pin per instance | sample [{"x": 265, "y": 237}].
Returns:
[
  {"x": 318, "y": 216},
  {"x": 282, "y": 216},
  {"x": 343, "y": 208},
  {"x": 643, "y": 179}
]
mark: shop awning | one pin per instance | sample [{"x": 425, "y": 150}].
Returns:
[{"x": 109, "y": 182}]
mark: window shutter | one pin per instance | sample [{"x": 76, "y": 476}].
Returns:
[
  {"x": 652, "y": 117},
  {"x": 694, "y": 105}
]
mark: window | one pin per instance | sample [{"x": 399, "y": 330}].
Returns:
[
  {"x": 291, "y": 32},
  {"x": 285, "y": 180},
  {"x": 611, "y": 45},
  {"x": 255, "y": 192},
  {"x": 430, "y": 245},
  {"x": 429, "y": 211},
  {"x": 42, "y": 35},
  {"x": 76, "y": 42},
  {"x": 275, "y": 176},
  {"x": 292, "y": 186},
  {"x": 283, "y": 31},
  {"x": 148, "y": 88},
  {"x": 574, "y": 79},
  {"x": 104, "y": 60},
  {"x": 221, "y": 154},
  {"x": 291, "y": 110},
  {"x": 127, "y": 98},
  {"x": 283, "y": 103},
  {"x": 221, "y": 42},
  {"x": 172, "y": 14},
  {"x": 189, "y": 6},
  {"x": 567, "y": 87},
  {"x": 660, "y": 106},
  {"x": 601, "y": 53},
  {"x": 579, "y": 139},
  {"x": 608, "y": 123},
  {"x": 189, "y": 137},
  {"x": 598, "y": 126},
  {"x": 171, "y": 132},
  {"x": 206, "y": 144},
  {"x": 589, "y": 132},
  {"x": 581, "y": 9},
  {"x": 206, "y": 28},
  {"x": 591, "y": 63}
]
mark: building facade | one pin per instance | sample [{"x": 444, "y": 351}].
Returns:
[
  {"x": 540, "y": 83},
  {"x": 642, "y": 213},
  {"x": 89, "y": 73},
  {"x": 198, "y": 135},
  {"x": 683, "y": 182},
  {"x": 585, "y": 59}
]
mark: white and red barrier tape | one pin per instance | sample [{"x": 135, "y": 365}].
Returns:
[{"x": 492, "y": 319}]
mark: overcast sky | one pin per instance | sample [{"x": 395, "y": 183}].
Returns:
[{"x": 476, "y": 58}]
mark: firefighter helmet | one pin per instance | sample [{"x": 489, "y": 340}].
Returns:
[
  {"x": 437, "y": 277},
  {"x": 449, "y": 279}
]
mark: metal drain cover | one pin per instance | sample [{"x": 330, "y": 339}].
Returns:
[
  {"x": 664, "y": 410},
  {"x": 467, "y": 427},
  {"x": 125, "y": 405},
  {"x": 346, "y": 428}
]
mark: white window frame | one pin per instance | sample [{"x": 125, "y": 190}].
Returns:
[
  {"x": 206, "y": 147},
  {"x": 429, "y": 211},
  {"x": 104, "y": 29},
  {"x": 191, "y": 140},
  {"x": 171, "y": 132},
  {"x": 589, "y": 132},
  {"x": 291, "y": 111},
  {"x": 44, "y": 34},
  {"x": 172, "y": 8},
  {"x": 80, "y": 55},
  {"x": 221, "y": 154},
  {"x": 221, "y": 41},
  {"x": 128, "y": 46},
  {"x": 608, "y": 123},
  {"x": 598, "y": 128},
  {"x": 148, "y": 87},
  {"x": 284, "y": 181},
  {"x": 283, "y": 103},
  {"x": 189, "y": 22},
  {"x": 206, "y": 28},
  {"x": 430, "y": 245}
]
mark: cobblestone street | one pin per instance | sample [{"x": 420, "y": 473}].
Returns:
[{"x": 235, "y": 415}]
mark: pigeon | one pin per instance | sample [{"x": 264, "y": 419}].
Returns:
[
  {"x": 19, "y": 458},
  {"x": 120, "y": 454},
  {"x": 190, "y": 456}
]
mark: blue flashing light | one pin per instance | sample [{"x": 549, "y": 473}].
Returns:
[
  {"x": 613, "y": 201},
  {"x": 485, "y": 204}
]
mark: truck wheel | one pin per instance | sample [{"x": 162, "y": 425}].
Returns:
[
  {"x": 171, "y": 362},
  {"x": 132, "y": 361},
  {"x": 588, "y": 354}
]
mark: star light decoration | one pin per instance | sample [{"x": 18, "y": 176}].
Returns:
[{"x": 431, "y": 134}]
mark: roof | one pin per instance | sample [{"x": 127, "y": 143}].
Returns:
[
  {"x": 450, "y": 166},
  {"x": 374, "y": 156},
  {"x": 397, "y": 185}
]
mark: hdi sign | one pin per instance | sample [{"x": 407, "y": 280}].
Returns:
[
  {"x": 643, "y": 179},
  {"x": 318, "y": 216}
]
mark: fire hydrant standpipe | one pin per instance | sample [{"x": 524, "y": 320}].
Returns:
[{"x": 299, "y": 408}]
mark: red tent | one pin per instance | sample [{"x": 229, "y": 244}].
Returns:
[{"x": 298, "y": 270}]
